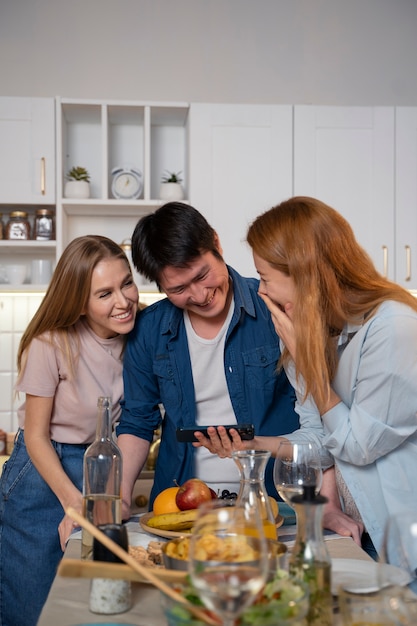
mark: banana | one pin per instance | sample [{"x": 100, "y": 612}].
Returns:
[{"x": 183, "y": 520}]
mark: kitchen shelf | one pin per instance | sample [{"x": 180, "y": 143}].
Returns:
[
  {"x": 95, "y": 207},
  {"x": 26, "y": 245},
  {"x": 101, "y": 135}
]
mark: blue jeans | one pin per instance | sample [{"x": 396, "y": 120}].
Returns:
[
  {"x": 369, "y": 547},
  {"x": 30, "y": 549}
]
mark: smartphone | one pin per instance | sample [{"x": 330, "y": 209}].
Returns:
[{"x": 186, "y": 435}]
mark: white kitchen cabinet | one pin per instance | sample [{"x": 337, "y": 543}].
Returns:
[
  {"x": 101, "y": 135},
  {"x": 344, "y": 156},
  {"x": 406, "y": 196},
  {"x": 27, "y": 151},
  {"x": 27, "y": 174},
  {"x": 241, "y": 165}
]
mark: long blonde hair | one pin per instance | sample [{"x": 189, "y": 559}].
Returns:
[
  {"x": 67, "y": 296},
  {"x": 334, "y": 279}
]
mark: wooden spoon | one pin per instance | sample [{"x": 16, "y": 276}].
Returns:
[{"x": 142, "y": 570}]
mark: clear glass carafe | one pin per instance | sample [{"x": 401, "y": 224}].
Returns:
[
  {"x": 310, "y": 560},
  {"x": 252, "y": 464}
]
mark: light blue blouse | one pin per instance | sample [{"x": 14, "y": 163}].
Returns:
[{"x": 372, "y": 432}]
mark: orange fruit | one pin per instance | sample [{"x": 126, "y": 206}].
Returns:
[{"x": 165, "y": 501}]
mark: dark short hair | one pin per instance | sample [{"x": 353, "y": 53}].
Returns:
[{"x": 174, "y": 235}]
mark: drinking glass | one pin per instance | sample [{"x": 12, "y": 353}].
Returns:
[
  {"x": 228, "y": 557},
  {"x": 297, "y": 465},
  {"x": 397, "y": 566}
]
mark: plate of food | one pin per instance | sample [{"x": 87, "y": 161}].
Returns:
[
  {"x": 170, "y": 527},
  {"x": 173, "y": 525}
]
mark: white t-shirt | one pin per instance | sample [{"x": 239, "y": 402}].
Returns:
[{"x": 213, "y": 405}]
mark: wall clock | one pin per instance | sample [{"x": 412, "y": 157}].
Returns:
[{"x": 127, "y": 183}]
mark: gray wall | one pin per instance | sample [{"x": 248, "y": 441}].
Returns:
[{"x": 253, "y": 51}]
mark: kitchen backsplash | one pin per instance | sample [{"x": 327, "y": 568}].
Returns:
[{"x": 16, "y": 310}]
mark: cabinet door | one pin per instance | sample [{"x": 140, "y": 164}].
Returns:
[
  {"x": 27, "y": 150},
  {"x": 345, "y": 157},
  {"x": 241, "y": 165},
  {"x": 406, "y": 196}
]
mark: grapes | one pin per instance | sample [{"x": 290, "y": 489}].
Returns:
[{"x": 228, "y": 495}]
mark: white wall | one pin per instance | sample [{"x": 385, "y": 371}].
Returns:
[{"x": 254, "y": 51}]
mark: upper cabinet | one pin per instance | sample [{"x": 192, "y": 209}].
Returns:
[
  {"x": 345, "y": 157},
  {"x": 112, "y": 138},
  {"x": 235, "y": 162},
  {"x": 27, "y": 185},
  {"x": 406, "y": 196},
  {"x": 241, "y": 165},
  {"x": 27, "y": 151}
]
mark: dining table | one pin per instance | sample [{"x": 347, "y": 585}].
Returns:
[{"x": 68, "y": 601}]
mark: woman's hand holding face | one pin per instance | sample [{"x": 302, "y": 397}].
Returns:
[{"x": 282, "y": 320}]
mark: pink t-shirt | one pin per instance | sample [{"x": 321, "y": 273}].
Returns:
[{"x": 98, "y": 373}]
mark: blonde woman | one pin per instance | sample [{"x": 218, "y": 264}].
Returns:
[{"x": 69, "y": 355}]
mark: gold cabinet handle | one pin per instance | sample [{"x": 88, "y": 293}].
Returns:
[
  {"x": 43, "y": 179},
  {"x": 385, "y": 261},
  {"x": 408, "y": 263}
]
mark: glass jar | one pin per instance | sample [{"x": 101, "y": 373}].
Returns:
[
  {"x": 44, "y": 225},
  {"x": 18, "y": 226},
  {"x": 108, "y": 596}
]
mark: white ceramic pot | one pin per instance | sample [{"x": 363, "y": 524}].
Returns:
[
  {"x": 77, "y": 189},
  {"x": 171, "y": 191}
]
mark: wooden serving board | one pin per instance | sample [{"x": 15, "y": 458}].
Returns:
[{"x": 79, "y": 568}]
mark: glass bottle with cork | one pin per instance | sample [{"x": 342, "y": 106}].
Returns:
[{"x": 102, "y": 477}]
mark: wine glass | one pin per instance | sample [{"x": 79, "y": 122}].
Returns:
[
  {"x": 399, "y": 547},
  {"x": 397, "y": 563},
  {"x": 228, "y": 557},
  {"x": 297, "y": 465}
]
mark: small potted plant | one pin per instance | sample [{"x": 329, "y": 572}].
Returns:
[
  {"x": 78, "y": 183},
  {"x": 171, "y": 188}
]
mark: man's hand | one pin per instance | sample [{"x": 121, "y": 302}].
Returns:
[{"x": 218, "y": 441}]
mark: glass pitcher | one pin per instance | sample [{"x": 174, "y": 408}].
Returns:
[{"x": 252, "y": 464}]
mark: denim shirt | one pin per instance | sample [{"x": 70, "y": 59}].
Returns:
[{"x": 157, "y": 371}]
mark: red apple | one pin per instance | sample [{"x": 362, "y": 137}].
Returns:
[
  {"x": 192, "y": 493},
  {"x": 213, "y": 494}
]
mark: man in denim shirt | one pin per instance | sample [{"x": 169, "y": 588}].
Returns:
[{"x": 205, "y": 355}]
